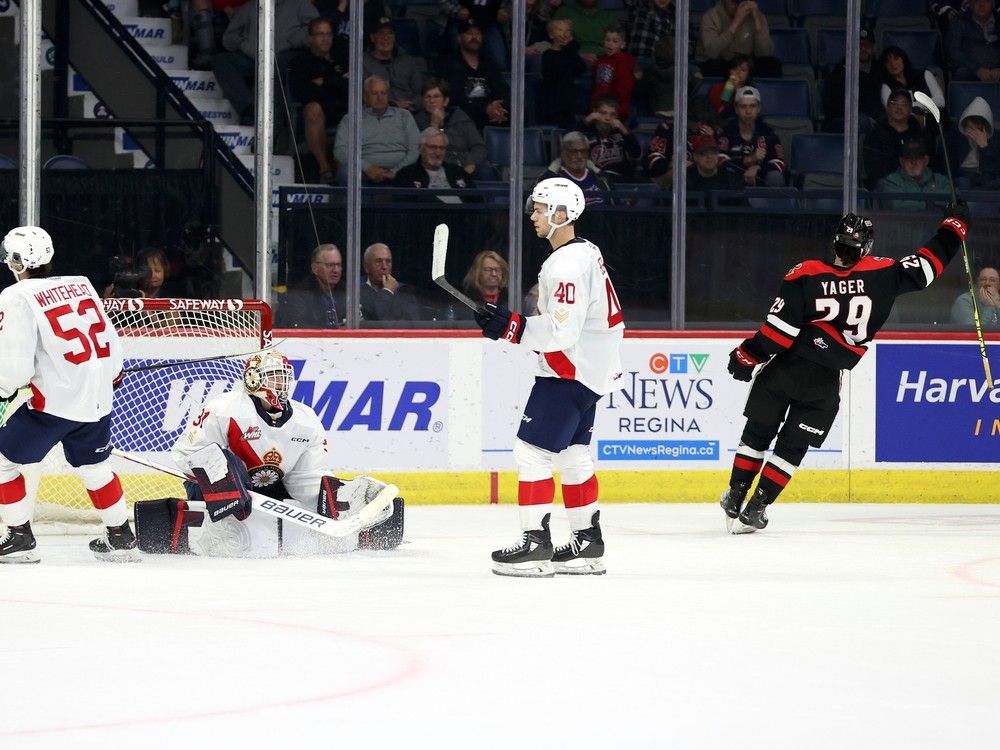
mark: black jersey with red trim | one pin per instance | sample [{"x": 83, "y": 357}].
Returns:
[{"x": 828, "y": 313}]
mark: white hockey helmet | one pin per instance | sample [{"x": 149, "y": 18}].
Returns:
[
  {"x": 269, "y": 376},
  {"x": 25, "y": 248},
  {"x": 556, "y": 193}
]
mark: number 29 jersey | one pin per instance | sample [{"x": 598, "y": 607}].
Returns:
[
  {"x": 579, "y": 329},
  {"x": 56, "y": 337},
  {"x": 828, "y": 314}
]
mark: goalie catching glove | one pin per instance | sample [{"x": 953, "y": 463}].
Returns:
[
  {"x": 222, "y": 479},
  {"x": 362, "y": 496},
  {"x": 498, "y": 322}
]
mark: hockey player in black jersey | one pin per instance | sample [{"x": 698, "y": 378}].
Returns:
[{"x": 820, "y": 324}]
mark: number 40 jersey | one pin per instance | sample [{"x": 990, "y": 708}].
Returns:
[
  {"x": 828, "y": 314},
  {"x": 56, "y": 337}
]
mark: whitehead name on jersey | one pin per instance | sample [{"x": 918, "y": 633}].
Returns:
[
  {"x": 56, "y": 337},
  {"x": 579, "y": 330},
  {"x": 291, "y": 450}
]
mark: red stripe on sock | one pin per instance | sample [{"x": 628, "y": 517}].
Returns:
[
  {"x": 776, "y": 476},
  {"x": 578, "y": 495},
  {"x": 536, "y": 493},
  {"x": 12, "y": 491},
  {"x": 747, "y": 464},
  {"x": 108, "y": 495}
]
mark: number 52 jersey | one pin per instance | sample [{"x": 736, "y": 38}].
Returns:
[
  {"x": 579, "y": 329},
  {"x": 56, "y": 337}
]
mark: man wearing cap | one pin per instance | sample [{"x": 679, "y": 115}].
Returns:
[
  {"x": 884, "y": 142},
  {"x": 401, "y": 70},
  {"x": 736, "y": 27},
  {"x": 869, "y": 98},
  {"x": 752, "y": 147},
  {"x": 913, "y": 176},
  {"x": 477, "y": 85},
  {"x": 703, "y": 174}
]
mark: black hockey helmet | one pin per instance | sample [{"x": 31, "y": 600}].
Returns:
[{"x": 854, "y": 238}]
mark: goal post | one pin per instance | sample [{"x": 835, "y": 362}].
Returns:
[{"x": 153, "y": 406}]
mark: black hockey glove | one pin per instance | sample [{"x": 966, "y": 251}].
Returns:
[
  {"x": 326, "y": 502},
  {"x": 956, "y": 218},
  {"x": 498, "y": 322},
  {"x": 741, "y": 364}
]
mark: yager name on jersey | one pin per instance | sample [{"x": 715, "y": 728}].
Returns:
[
  {"x": 61, "y": 293},
  {"x": 843, "y": 286}
]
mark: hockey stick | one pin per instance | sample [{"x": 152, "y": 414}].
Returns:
[
  {"x": 213, "y": 358},
  {"x": 927, "y": 103},
  {"x": 374, "y": 512},
  {"x": 437, "y": 269}
]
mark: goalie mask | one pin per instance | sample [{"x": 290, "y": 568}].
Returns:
[
  {"x": 556, "y": 193},
  {"x": 854, "y": 238},
  {"x": 26, "y": 248},
  {"x": 268, "y": 376}
]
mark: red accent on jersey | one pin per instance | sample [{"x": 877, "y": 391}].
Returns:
[
  {"x": 107, "y": 495},
  {"x": 776, "y": 336},
  {"x": 13, "y": 491},
  {"x": 578, "y": 495},
  {"x": 561, "y": 365},
  {"x": 244, "y": 452},
  {"x": 747, "y": 464},
  {"x": 776, "y": 476},
  {"x": 836, "y": 336},
  {"x": 536, "y": 493},
  {"x": 816, "y": 267},
  {"x": 938, "y": 267},
  {"x": 37, "y": 399}
]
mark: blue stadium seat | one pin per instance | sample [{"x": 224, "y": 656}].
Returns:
[
  {"x": 890, "y": 8},
  {"x": 923, "y": 47},
  {"x": 961, "y": 93},
  {"x": 498, "y": 147},
  {"x": 783, "y": 98},
  {"x": 700, "y": 6},
  {"x": 830, "y": 46},
  {"x": 706, "y": 85},
  {"x": 806, "y": 8},
  {"x": 407, "y": 35},
  {"x": 819, "y": 153},
  {"x": 791, "y": 46},
  {"x": 65, "y": 161},
  {"x": 7, "y": 163},
  {"x": 773, "y": 199},
  {"x": 773, "y": 7}
]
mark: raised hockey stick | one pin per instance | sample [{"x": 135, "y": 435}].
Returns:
[
  {"x": 927, "y": 103},
  {"x": 374, "y": 512},
  {"x": 437, "y": 269}
]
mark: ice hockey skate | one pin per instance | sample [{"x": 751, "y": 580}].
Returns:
[
  {"x": 732, "y": 502},
  {"x": 582, "y": 556},
  {"x": 530, "y": 557},
  {"x": 752, "y": 514},
  {"x": 17, "y": 545},
  {"x": 117, "y": 545}
]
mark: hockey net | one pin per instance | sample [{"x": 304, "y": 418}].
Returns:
[{"x": 152, "y": 407}]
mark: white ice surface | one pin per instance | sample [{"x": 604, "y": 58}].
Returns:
[{"x": 838, "y": 627}]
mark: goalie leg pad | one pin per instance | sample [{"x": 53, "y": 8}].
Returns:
[
  {"x": 386, "y": 535},
  {"x": 161, "y": 526}
]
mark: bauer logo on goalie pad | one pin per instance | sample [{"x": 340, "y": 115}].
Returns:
[{"x": 291, "y": 512}]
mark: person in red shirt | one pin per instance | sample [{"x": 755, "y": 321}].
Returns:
[{"x": 614, "y": 73}]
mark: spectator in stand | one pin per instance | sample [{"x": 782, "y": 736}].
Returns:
[
  {"x": 589, "y": 24},
  {"x": 318, "y": 301},
  {"x": 209, "y": 19},
  {"x": 657, "y": 82},
  {"x": 702, "y": 120},
  {"x": 735, "y": 27},
  {"x": 869, "y": 83},
  {"x": 913, "y": 176},
  {"x": 402, "y": 71},
  {"x": 382, "y": 296},
  {"x": 613, "y": 149},
  {"x": 973, "y": 149},
  {"x": 752, "y": 147},
  {"x": 721, "y": 94},
  {"x": 156, "y": 284},
  {"x": 389, "y": 136},
  {"x": 972, "y": 44},
  {"x": 487, "y": 278},
  {"x": 318, "y": 81},
  {"x": 614, "y": 73},
  {"x": 338, "y": 12},
  {"x": 648, "y": 22},
  {"x": 466, "y": 148},
  {"x": 574, "y": 164},
  {"x": 561, "y": 64},
  {"x": 537, "y": 16},
  {"x": 884, "y": 142},
  {"x": 236, "y": 69},
  {"x": 477, "y": 85},
  {"x": 431, "y": 170},
  {"x": 895, "y": 71},
  {"x": 988, "y": 301},
  {"x": 703, "y": 173},
  {"x": 490, "y": 16}
]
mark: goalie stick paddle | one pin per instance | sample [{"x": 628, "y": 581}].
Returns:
[
  {"x": 375, "y": 512},
  {"x": 932, "y": 109},
  {"x": 437, "y": 269}
]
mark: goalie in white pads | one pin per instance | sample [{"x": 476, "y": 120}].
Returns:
[
  {"x": 56, "y": 338},
  {"x": 255, "y": 438}
]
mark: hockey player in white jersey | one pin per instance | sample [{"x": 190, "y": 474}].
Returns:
[
  {"x": 56, "y": 338},
  {"x": 577, "y": 333},
  {"x": 254, "y": 437}
]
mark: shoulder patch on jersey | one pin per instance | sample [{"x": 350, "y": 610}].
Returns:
[
  {"x": 809, "y": 268},
  {"x": 561, "y": 314},
  {"x": 872, "y": 263}
]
